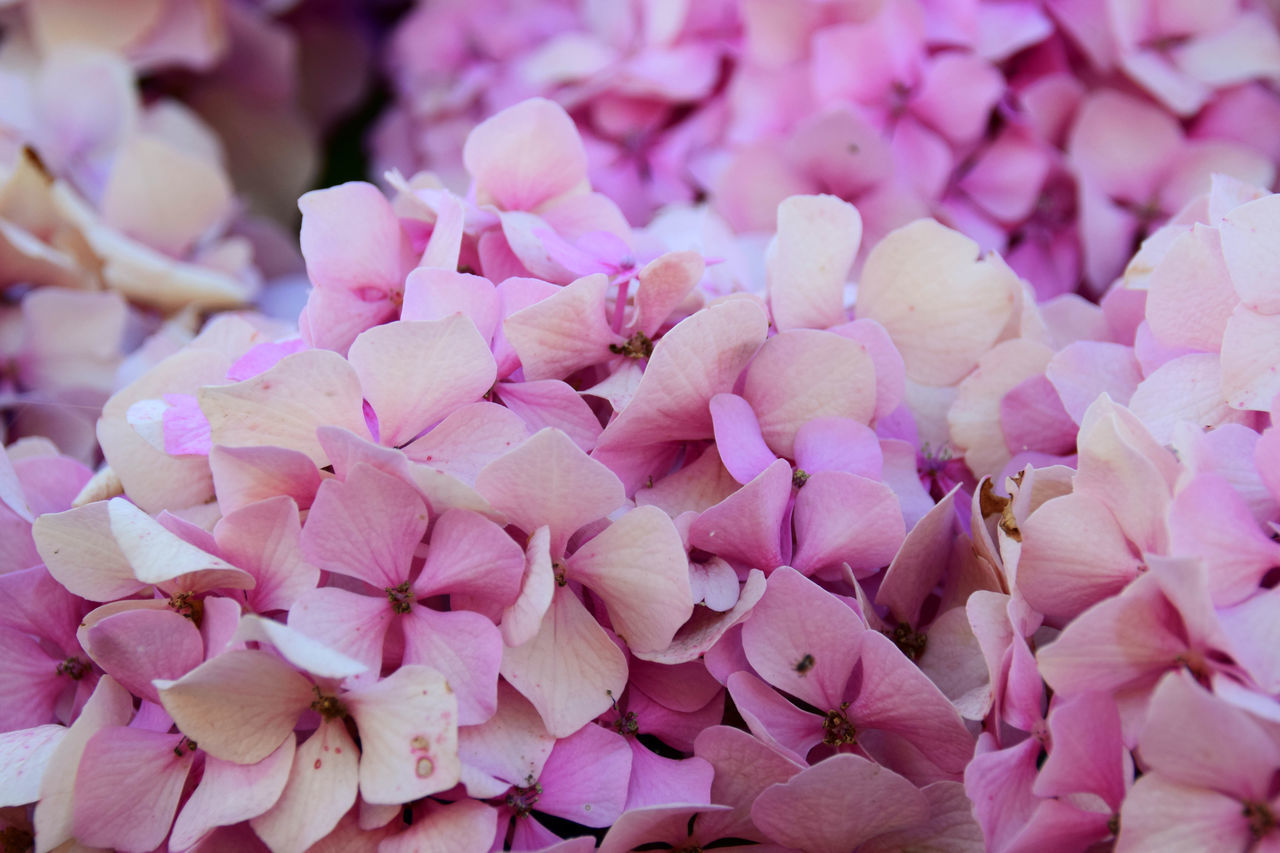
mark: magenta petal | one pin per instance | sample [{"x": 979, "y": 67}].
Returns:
[
  {"x": 186, "y": 429},
  {"x": 657, "y": 781},
  {"x": 585, "y": 777},
  {"x": 365, "y": 527},
  {"x": 843, "y": 518},
  {"x": 138, "y": 645},
  {"x": 128, "y": 786},
  {"x": 466, "y": 648},
  {"x": 229, "y": 793},
  {"x": 837, "y": 804},
  {"x": 838, "y": 444},
  {"x": 772, "y": 718}
]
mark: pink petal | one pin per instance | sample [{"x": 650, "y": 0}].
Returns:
[
  {"x": 465, "y": 648},
  {"x": 158, "y": 555},
  {"x": 738, "y": 439},
  {"x": 408, "y": 725},
  {"x": 82, "y": 555},
  {"x": 809, "y": 260},
  {"x": 564, "y": 332},
  {"x": 1122, "y": 143},
  {"x": 662, "y": 285},
  {"x": 549, "y": 481},
  {"x": 1209, "y": 519},
  {"x": 656, "y": 780},
  {"x": 510, "y": 747},
  {"x": 844, "y": 518},
  {"x": 838, "y": 444},
  {"x": 321, "y": 788},
  {"x": 138, "y": 645},
  {"x": 837, "y": 804},
  {"x": 353, "y": 625},
  {"x": 552, "y": 403},
  {"x": 920, "y": 562},
  {"x": 1032, "y": 418},
  {"x": 366, "y": 527},
  {"x": 351, "y": 238},
  {"x": 1160, "y": 814},
  {"x": 522, "y": 620},
  {"x": 957, "y": 94},
  {"x": 639, "y": 568},
  {"x": 229, "y": 793},
  {"x": 437, "y": 294},
  {"x": 975, "y": 416},
  {"x": 569, "y": 669},
  {"x": 408, "y": 401},
  {"x": 585, "y": 777},
  {"x": 1088, "y": 753},
  {"x": 697, "y": 636},
  {"x": 1083, "y": 370},
  {"x": 470, "y": 554},
  {"x": 890, "y": 369},
  {"x": 26, "y": 754},
  {"x": 744, "y": 767},
  {"x": 1190, "y": 297},
  {"x": 700, "y": 357},
  {"x": 468, "y": 439},
  {"x": 526, "y": 155},
  {"x": 1251, "y": 360},
  {"x": 804, "y": 374},
  {"x": 747, "y": 526},
  {"x": 238, "y": 706},
  {"x": 283, "y": 406},
  {"x": 128, "y": 786},
  {"x": 244, "y": 475},
  {"x": 1185, "y": 388},
  {"x": 465, "y": 826},
  {"x": 1249, "y": 252},
  {"x": 263, "y": 539}
]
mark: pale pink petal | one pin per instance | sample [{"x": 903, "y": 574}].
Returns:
[
  {"x": 526, "y": 155},
  {"x": 510, "y": 747},
  {"x": 957, "y": 94},
  {"x": 244, "y": 475},
  {"x": 639, "y": 568},
  {"x": 805, "y": 374},
  {"x": 843, "y": 518},
  {"x": 351, "y": 239},
  {"x": 1188, "y": 388},
  {"x": 353, "y": 625},
  {"x": 1073, "y": 555},
  {"x": 239, "y": 706},
  {"x": 321, "y": 788},
  {"x": 1160, "y": 814},
  {"x": 942, "y": 304},
  {"x": 1251, "y": 360},
  {"x": 283, "y": 406},
  {"x": 263, "y": 539},
  {"x": 1122, "y": 143},
  {"x": 1249, "y": 249},
  {"x": 975, "y": 416},
  {"x": 229, "y": 793},
  {"x": 569, "y": 669},
  {"x": 809, "y": 260},
  {"x": 699, "y": 358},
  {"x": 837, "y": 804},
  {"x": 366, "y": 527},
  {"x": 297, "y": 648},
  {"x": 658, "y": 824},
  {"x": 127, "y": 788},
  {"x": 889, "y": 367},
  {"x": 465, "y": 826},
  {"x": 738, "y": 439},
  {"x": 744, "y": 767},
  {"x": 25, "y": 754},
  {"x": 1083, "y": 370},
  {"x": 466, "y": 648},
  {"x": 706, "y": 627},
  {"x": 522, "y": 620},
  {"x": 1209, "y": 519},
  {"x": 408, "y": 725},
  {"x": 564, "y": 332},
  {"x": 468, "y": 439},
  {"x": 552, "y": 403},
  {"x": 549, "y": 481},
  {"x": 436, "y": 294},
  {"x": 81, "y": 553},
  {"x": 1190, "y": 295},
  {"x": 408, "y": 400},
  {"x": 662, "y": 285}
]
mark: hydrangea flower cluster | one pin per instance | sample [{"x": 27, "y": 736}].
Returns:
[
  {"x": 1056, "y": 132},
  {"x": 546, "y": 531},
  {"x": 128, "y": 193}
]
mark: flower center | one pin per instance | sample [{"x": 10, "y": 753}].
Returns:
[
  {"x": 799, "y": 477},
  {"x": 911, "y": 642},
  {"x": 73, "y": 668},
  {"x": 185, "y": 604},
  {"x": 838, "y": 728},
  {"x": 400, "y": 597},
  {"x": 1261, "y": 819},
  {"x": 184, "y": 746},
  {"x": 627, "y": 724},
  {"x": 637, "y": 346},
  {"x": 522, "y": 800},
  {"x": 327, "y": 706}
]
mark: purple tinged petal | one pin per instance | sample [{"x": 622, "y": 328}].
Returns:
[
  {"x": 586, "y": 777},
  {"x": 656, "y": 780},
  {"x": 663, "y": 285},
  {"x": 186, "y": 429},
  {"x": 659, "y": 824},
  {"x": 838, "y": 444},
  {"x": 747, "y": 527},
  {"x": 1082, "y": 370},
  {"x": 738, "y": 439},
  {"x": 552, "y": 403},
  {"x": 137, "y": 646}
]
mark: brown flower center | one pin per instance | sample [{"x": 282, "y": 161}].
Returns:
[{"x": 838, "y": 728}]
